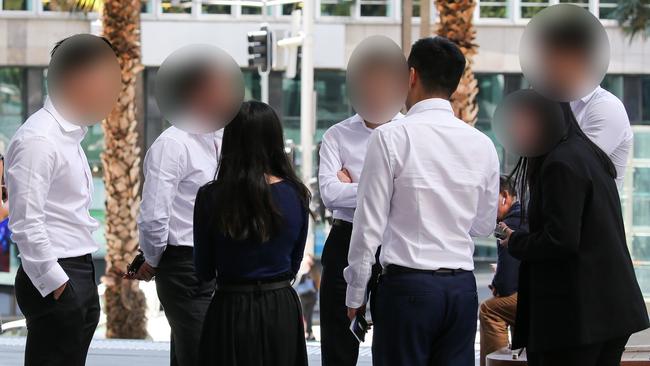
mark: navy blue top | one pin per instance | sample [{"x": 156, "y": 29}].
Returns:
[
  {"x": 216, "y": 254},
  {"x": 506, "y": 279}
]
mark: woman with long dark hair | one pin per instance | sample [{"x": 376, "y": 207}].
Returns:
[
  {"x": 250, "y": 227},
  {"x": 579, "y": 300}
]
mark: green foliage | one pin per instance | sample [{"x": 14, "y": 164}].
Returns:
[{"x": 634, "y": 17}]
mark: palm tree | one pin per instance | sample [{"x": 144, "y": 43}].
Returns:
[
  {"x": 125, "y": 302},
  {"x": 634, "y": 17},
  {"x": 456, "y": 24}
]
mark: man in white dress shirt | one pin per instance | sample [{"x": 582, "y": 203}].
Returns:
[
  {"x": 342, "y": 153},
  {"x": 603, "y": 118},
  {"x": 51, "y": 188},
  {"x": 377, "y": 80},
  {"x": 177, "y": 164},
  {"x": 429, "y": 183},
  {"x": 571, "y": 64}
]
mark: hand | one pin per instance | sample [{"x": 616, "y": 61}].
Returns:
[
  {"x": 59, "y": 291},
  {"x": 344, "y": 176},
  {"x": 494, "y": 290},
  {"x": 145, "y": 273},
  {"x": 352, "y": 312},
  {"x": 508, "y": 231}
]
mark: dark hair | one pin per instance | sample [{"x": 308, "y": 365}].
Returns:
[
  {"x": 439, "y": 63},
  {"x": 253, "y": 147},
  {"x": 505, "y": 185},
  {"x": 526, "y": 170},
  {"x": 75, "y": 52}
]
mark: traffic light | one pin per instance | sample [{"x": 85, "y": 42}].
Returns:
[{"x": 260, "y": 49}]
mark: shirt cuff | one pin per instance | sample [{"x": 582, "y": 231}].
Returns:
[
  {"x": 355, "y": 297},
  {"x": 51, "y": 280},
  {"x": 153, "y": 260}
]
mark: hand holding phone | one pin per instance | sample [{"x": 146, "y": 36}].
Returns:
[{"x": 359, "y": 327}]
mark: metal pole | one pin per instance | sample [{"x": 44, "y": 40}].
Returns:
[
  {"x": 307, "y": 104},
  {"x": 425, "y": 18},
  {"x": 264, "y": 86},
  {"x": 407, "y": 14}
]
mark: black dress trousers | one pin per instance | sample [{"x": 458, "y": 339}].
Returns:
[
  {"x": 339, "y": 347},
  {"x": 185, "y": 299},
  {"x": 59, "y": 331}
]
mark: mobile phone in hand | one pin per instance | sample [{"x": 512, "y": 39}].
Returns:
[
  {"x": 359, "y": 327},
  {"x": 499, "y": 233}
]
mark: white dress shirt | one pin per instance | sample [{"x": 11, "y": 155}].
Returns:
[
  {"x": 175, "y": 167},
  {"x": 429, "y": 183},
  {"x": 344, "y": 145},
  {"x": 603, "y": 118},
  {"x": 50, "y": 188}
]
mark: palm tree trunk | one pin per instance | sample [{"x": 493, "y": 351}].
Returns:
[
  {"x": 456, "y": 24},
  {"x": 125, "y": 302}
]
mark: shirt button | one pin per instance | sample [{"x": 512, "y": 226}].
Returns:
[{"x": 41, "y": 286}]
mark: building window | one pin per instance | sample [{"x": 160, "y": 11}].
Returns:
[
  {"x": 607, "y": 9},
  {"x": 251, "y": 10},
  {"x": 176, "y": 6},
  {"x": 374, "y": 8},
  {"x": 531, "y": 7},
  {"x": 340, "y": 8},
  {"x": 12, "y": 109},
  {"x": 580, "y": 3},
  {"x": 495, "y": 9},
  {"x": 208, "y": 8},
  {"x": 16, "y": 5}
]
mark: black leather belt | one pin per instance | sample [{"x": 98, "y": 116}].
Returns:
[
  {"x": 253, "y": 287},
  {"x": 343, "y": 223},
  {"x": 394, "y": 269},
  {"x": 86, "y": 258}
]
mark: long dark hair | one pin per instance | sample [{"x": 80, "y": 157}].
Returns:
[
  {"x": 527, "y": 168},
  {"x": 252, "y": 150}
]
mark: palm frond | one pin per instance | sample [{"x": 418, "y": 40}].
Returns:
[
  {"x": 76, "y": 6},
  {"x": 634, "y": 17}
]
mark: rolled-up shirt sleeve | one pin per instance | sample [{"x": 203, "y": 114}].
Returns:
[
  {"x": 486, "y": 213},
  {"x": 370, "y": 218},
  {"x": 334, "y": 193},
  {"x": 30, "y": 170},
  {"x": 163, "y": 167}
]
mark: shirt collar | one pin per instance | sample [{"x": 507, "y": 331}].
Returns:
[
  {"x": 66, "y": 125},
  {"x": 358, "y": 119},
  {"x": 432, "y": 103},
  {"x": 587, "y": 97}
]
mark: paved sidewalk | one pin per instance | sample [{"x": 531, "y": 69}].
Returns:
[{"x": 105, "y": 352}]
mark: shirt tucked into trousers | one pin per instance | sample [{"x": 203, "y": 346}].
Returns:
[
  {"x": 176, "y": 166},
  {"x": 50, "y": 187}
]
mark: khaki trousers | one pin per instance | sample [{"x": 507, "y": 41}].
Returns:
[{"x": 496, "y": 315}]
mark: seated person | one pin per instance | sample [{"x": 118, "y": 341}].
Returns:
[{"x": 498, "y": 313}]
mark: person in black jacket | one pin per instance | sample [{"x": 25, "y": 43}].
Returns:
[
  {"x": 579, "y": 300},
  {"x": 498, "y": 313}
]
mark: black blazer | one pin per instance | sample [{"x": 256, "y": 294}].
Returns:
[{"x": 576, "y": 282}]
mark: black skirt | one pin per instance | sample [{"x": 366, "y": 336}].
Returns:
[{"x": 260, "y": 328}]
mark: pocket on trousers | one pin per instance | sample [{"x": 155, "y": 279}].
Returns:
[{"x": 68, "y": 296}]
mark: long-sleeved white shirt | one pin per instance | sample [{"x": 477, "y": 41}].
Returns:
[
  {"x": 344, "y": 145},
  {"x": 50, "y": 188},
  {"x": 429, "y": 183},
  {"x": 603, "y": 118},
  {"x": 176, "y": 165}
]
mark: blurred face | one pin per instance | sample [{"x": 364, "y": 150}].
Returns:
[
  {"x": 525, "y": 131},
  {"x": 378, "y": 93},
  {"x": 90, "y": 93},
  {"x": 210, "y": 102},
  {"x": 566, "y": 73}
]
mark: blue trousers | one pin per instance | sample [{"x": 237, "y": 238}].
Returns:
[{"x": 423, "y": 319}]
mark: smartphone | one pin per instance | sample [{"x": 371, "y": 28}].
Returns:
[
  {"x": 359, "y": 327},
  {"x": 499, "y": 233},
  {"x": 138, "y": 261}
]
